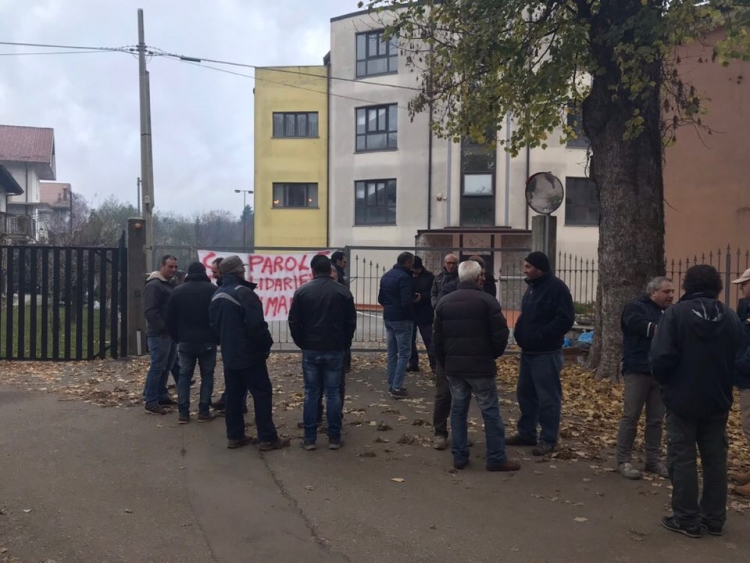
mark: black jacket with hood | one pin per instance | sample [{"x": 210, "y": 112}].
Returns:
[
  {"x": 156, "y": 296},
  {"x": 547, "y": 315},
  {"x": 693, "y": 356},
  {"x": 187, "y": 312},
  {"x": 236, "y": 316}
]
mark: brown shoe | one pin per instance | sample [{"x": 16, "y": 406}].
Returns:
[
  {"x": 743, "y": 490},
  {"x": 277, "y": 445},
  {"x": 244, "y": 441},
  {"x": 507, "y": 465},
  {"x": 741, "y": 478}
]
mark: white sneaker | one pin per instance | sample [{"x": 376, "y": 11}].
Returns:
[{"x": 628, "y": 471}]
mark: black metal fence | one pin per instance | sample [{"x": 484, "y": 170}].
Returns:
[{"x": 63, "y": 303}]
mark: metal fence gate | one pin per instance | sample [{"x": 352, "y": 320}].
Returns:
[{"x": 63, "y": 303}]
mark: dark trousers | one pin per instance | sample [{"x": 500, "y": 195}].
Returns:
[
  {"x": 426, "y": 331},
  {"x": 710, "y": 436},
  {"x": 539, "y": 395},
  {"x": 348, "y": 360},
  {"x": 255, "y": 380},
  {"x": 442, "y": 408}
]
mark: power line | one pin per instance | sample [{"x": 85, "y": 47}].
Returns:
[
  {"x": 51, "y": 53},
  {"x": 277, "y": 69},
  {"x": 125, "y": 49},
  {"x": 279, "y": 83}
]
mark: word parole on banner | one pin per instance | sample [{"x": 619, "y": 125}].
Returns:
[{"x": 277, "y": 276}]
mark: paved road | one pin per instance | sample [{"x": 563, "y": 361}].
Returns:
[{"x": 81, "y": 484}]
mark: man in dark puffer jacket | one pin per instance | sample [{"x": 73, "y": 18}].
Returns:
[
  {"x": 470, "y": 334},
  {"x": 693, "y": 357},
  {"x": 188, "y": 325},
  {"x": 546, "y": 316}
]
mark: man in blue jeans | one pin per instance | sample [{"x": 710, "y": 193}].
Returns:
[
  {"x": 189, "y": 326},
  {"x": 397, "y": 298},
  {"x": 546, "y": 316},
  {"x": 156, "y": 296},
  {"x": 470, "y": 334},
  {"x": 322, "y": 321}
]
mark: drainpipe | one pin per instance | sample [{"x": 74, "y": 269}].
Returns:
[
  {"x": 328, "y": 155},
  {"x": 528, "y": 174},
  {"x": 429, "y": 154},
  {"x": 449, "y": 184}
]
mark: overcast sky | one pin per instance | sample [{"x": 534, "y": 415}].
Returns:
[{"x": 202, "y": 120}]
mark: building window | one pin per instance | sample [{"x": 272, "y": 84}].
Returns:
[
  {"x": 295, "y": 125},
  {"x": 575, "y": 122},
  {"x": 477, "y": 183},
  {"x": 581, "y": 202},
  {"x": 377, "y": 128},
  {"x": 295, "y": 195},
  {"x": 375, "y": 202},
  {"x": 376, "y": 56}
]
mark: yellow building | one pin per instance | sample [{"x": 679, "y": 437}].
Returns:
[{"x": 291, "y": 157}]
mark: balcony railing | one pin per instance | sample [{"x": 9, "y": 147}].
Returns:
[{"x": 17, "y": 226}]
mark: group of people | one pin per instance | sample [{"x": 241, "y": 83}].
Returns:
[{"x": 680, "y": 362}]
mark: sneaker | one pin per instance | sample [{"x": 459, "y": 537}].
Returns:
[
  {"x": 183, "y": 419},
  {"x": 399, "y": 393},
  {"x": 168, "y": 402},
  {"x": 277, "y": 445},
  {"x": 658, "y": 468},
  {"x": 244, "y": 441},
  {"x": 711, "y": 529},
  {"x": 308, "y": 446},
  {"x": 156, "y": 409},
  {"x": 460, "y": 464},
  {"x": 628, "y": 471},
  {"x": 440, "y": 443},
  {"x": 673, "y": 525},
  {"x": 205, "y": 417},
  {"x": 335, "y": 443},
  {"x": 518, "y": 440},
  {"x": 507, "y": 465},
  {"x": 219, "y": 413},
  {"x": 543, "y": 448},
  {"x": 412, "y": 368}
]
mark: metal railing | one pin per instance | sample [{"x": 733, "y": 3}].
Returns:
[{"x": 17, "y": 226}]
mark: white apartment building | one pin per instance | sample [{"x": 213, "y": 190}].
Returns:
[{"x": 390, "y": 181}]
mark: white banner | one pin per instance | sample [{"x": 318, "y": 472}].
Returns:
[{"x": 277, "y": 276}]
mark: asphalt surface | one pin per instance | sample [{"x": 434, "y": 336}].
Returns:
[{"x": 81, "y": 483}]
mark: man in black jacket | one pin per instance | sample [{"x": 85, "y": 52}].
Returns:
[
  {"x": 397, "y": 298},
  {"x": 339, "y": 262},
  {"x": 189, "y": 326},
  {"x": 470, "y": 334},
  {"x": 546, "y": 316},
  {"x": 423, "y": 314},
  {"x": 639, "y": 320},
  {"x": 156, "y": 295},
  {"x": 236, "y": 316},
  {"x": 447, "y": 275},
  {"x": 742, "y": 380},
  {"x": 693, "y": 356},
  {"x": 322, "y": 321}
]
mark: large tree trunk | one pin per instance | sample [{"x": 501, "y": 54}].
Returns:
[{"x": 628, "y": 174}]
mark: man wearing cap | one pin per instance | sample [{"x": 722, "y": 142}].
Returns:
[
  {"x": 546, "y": 316},
  {"x": 742, "y": 379},
  {"x": 639, "y": 321},
  {"x": 188, "y": 325},
  {"x": 236, "y": 316},
  {"x": 423, "y": 314}
]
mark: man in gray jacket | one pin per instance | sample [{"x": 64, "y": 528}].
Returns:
[{"x": 156, "y": 297}]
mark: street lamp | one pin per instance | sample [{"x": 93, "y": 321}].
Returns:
[{"x": 244, "y": 216}]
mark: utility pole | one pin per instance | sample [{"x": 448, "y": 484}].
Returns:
[
  {"x": 147, "y": 167},
  {"x": 138, "y": 197},
  {"x": 244, "y": 216}
]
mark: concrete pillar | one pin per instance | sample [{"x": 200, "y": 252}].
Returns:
[
  {"x": 538, "y": 237},
  {"x": 137, "y": 270}
]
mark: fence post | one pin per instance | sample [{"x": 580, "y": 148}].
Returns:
[
  {"x": 348, "y": 270},
  {"x": 137, "y": 269},
  {"x": 728, "y": 276}
]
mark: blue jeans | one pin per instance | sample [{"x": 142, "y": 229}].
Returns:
[
  {"x": 163, "y": 352},
  {"x": 322, "y": 371},
  {"x": 205, "y": 356},
  {"x": 540, "y": 396},
  {"x": 399, "y": 350},
  {"x": 485, "y": 390}
]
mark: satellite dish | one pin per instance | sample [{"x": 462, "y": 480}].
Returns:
[{"x": 544, "y": 193}]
